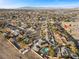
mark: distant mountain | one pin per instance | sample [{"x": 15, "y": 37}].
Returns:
[
  {"x": 45, "y": 8},
  {"x": 37, "y": 8}
]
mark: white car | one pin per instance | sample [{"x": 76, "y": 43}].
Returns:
[
  {"x": 74, "y": 56},
  {"x": 24, "y": 50}
]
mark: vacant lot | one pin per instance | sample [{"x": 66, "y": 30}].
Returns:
[{"x": 7, "y": 51}]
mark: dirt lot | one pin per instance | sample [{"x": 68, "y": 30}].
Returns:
[
  {"x": 73, "y": 29},
  {"x": 7, "y": 51}
]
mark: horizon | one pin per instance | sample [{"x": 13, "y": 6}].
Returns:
[{"x": 39, "y": 3}]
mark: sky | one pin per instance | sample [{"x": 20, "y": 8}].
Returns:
[{"x": 39, "y": 3}]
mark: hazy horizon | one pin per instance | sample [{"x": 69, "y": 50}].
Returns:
[{"x": 39, "y": 3}]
